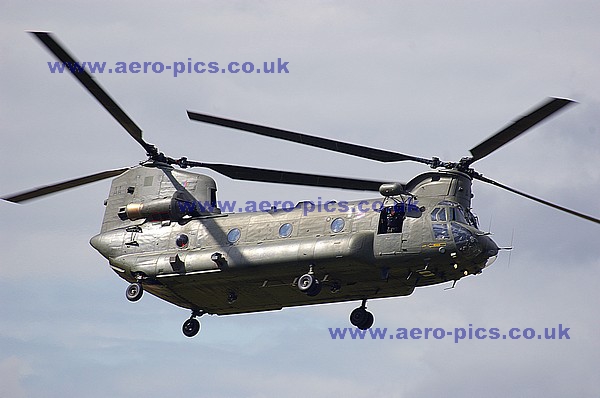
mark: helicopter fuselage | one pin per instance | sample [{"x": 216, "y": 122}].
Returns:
[{"x": 158, "y": 229}]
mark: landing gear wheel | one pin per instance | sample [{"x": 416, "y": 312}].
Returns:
[
  {"x": 369, "y": 323},
  {"x": 310, "y": 285},
  {"x": 306, "y": 282},
  {"x": 316, "y": 289},
  {"x": 134, "y": 292},
  {"x": 191, "y": 327},
  {"x": 361, "y": 318}
]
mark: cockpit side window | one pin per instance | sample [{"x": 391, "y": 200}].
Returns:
[
  {"x": 456, "y": 214},
  {"x": 440, "y": 231},
  {"x": 452, "y": 211},
  {"x": 472, "y": 219},
  {"x": 442, "y": 214},
  {"x": 438, "y": 214}
]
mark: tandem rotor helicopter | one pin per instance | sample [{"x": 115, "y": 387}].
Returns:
[{"x": 163, "y": 232}]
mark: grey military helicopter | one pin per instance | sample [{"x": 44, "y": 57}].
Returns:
[{"x": 164, "y": 233}]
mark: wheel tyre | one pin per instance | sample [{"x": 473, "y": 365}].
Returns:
[
  {"x": 306, "y": 282},
  {"x": 191, "y": 327},
  {"x": 359, "y": 316},
  {"x": 315, "y": 289},
  {"x": 134, "y": 292},
  {"x": 368, "y": 323}
]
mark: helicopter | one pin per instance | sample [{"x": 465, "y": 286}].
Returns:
[{"x": 164, "y": 231}]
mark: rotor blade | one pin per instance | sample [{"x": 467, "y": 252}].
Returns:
[
  {"x": 288, "y": 177},
  {"x": 61, "y": 186},
  {"x": 94, "y": 88},
  {"x": 518, "y": 127},
  {"x": 542, "y": 201},
  {"x": 324, "y": 143}
]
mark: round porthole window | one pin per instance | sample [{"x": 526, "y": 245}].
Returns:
[
  {"x": 182, "y": 241},
  {"x": 234, "y": 235},
  {"x": 337, "y": 225},
  {"x": 285, "y": 230}
]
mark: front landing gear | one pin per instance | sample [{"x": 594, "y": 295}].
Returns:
[
  {"x": 191, "y": 327},
  {"x": 361, "y": 318}
]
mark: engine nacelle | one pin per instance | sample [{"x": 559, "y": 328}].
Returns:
[
  {"x": 158, "y": 192},
  {"x": 173, "y": 208},
  {"x": 158, "y": 209}
]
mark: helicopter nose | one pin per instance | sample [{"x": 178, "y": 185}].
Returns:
[
  {"x": 489, "y": 249},
  {"x": 99, "y": 243},
  {"x": 95, "y": 241}
]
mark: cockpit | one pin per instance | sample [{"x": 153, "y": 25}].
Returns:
[
  {"x": 451, "y": 211},
  {"x": 450, "y": 221}
]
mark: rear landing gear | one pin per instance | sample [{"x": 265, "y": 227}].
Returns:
[
  {"x": 134, "y": 291},
  {"x": 361, "y": 318},
  {"x": 191, "y": 327}
]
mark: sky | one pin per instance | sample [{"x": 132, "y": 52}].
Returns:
[{"x": 419, "y": 77}]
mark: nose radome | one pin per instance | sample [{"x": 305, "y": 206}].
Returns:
[
  {"x": 488, "y": 246},
  {"x": 99, "y": 243},
  {"x": 95, "y": 241}
]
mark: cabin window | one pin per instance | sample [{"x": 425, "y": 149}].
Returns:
[
  {"x": 182, "y": 241},
  {"x": 234, "y": 235},
  {"x": 337, "y": 225},
  {"x": 285, "y": 230}
]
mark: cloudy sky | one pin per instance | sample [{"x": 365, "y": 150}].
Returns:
[{"x": 423, "y": 78}]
